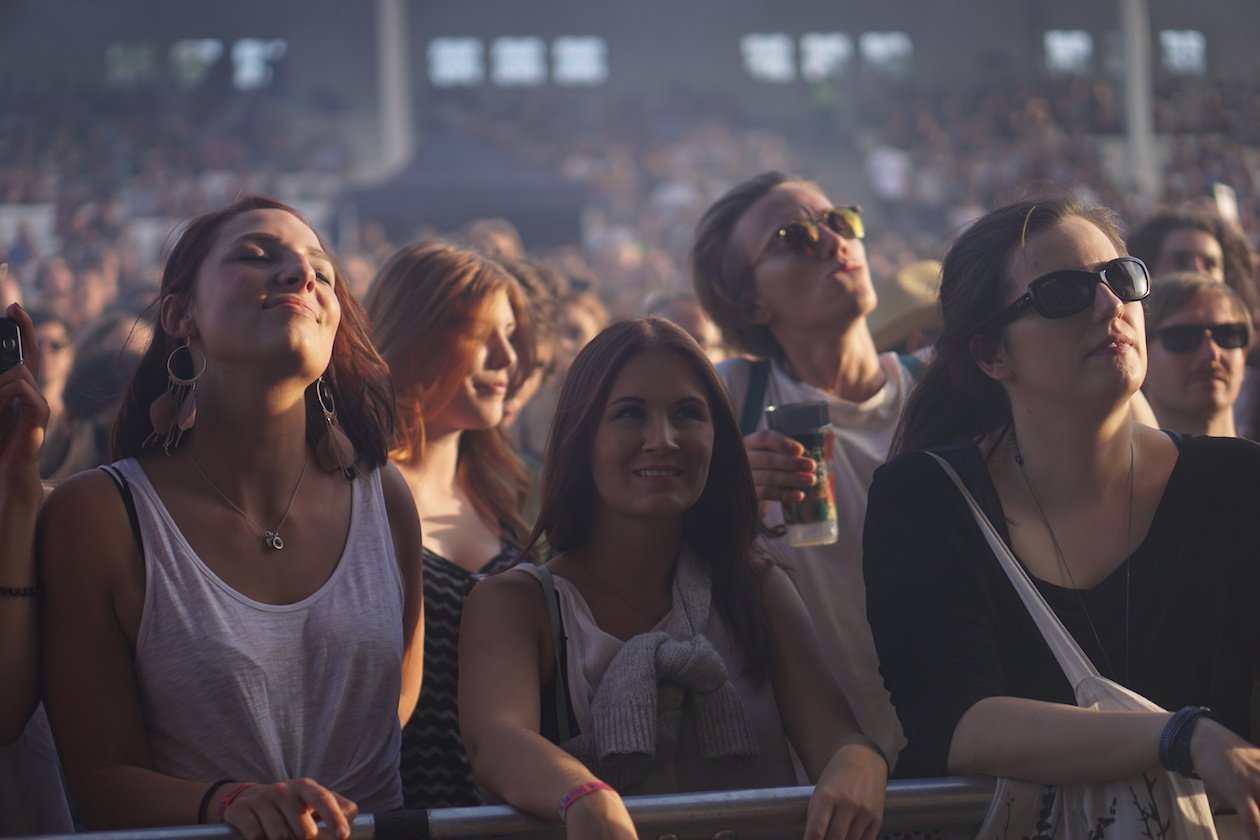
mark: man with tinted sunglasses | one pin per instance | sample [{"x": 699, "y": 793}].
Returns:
[
  {"x": 1198, "y": 333},
  {"x": 782, "y": 271}
]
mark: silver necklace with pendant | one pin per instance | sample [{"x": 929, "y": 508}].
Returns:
[{"x": 271, "y": 538}]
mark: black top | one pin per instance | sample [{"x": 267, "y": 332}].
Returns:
[
  {"x": 950, "y": 629},
  {"x": 435, "y": 769}
]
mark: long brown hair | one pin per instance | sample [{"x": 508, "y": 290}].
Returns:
[
  {"x": 720, "y": 527},
  {"x": 427, "y": 306},
  {"x": 356, "y": 377}
]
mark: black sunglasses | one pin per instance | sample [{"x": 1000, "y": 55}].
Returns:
[
  {"x": 1060, "y": 294},
  {"x": 803, "y": 235},
  {"x": 1186, "y": 338}
]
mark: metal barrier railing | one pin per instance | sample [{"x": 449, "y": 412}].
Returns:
[
  {"x": 955, "y": 803},
  {"x": 750, "y": 814}
]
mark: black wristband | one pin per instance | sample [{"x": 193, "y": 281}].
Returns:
[
  {"x": 1174, "y": 741},
  {"x": 20, "y": 591},
  {"x": 205, "y": 800}
]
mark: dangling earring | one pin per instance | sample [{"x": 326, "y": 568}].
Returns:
[
  {"x": 175, "y": 411},
  {"x": 334, "y": 450}
]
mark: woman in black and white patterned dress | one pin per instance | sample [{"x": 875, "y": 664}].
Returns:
[{"x": 445, "y": 320}]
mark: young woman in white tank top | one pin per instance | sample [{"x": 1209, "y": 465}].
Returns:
[
  {"x": 670, "y": 625},
  {"x": 234, "y": 628}
]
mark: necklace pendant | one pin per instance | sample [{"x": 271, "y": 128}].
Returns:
[{"x": 272, "y": 539}]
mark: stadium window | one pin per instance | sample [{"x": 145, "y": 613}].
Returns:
[
  {"x": 1112, "y": 53},
  {"x": 889, "y": 53},
  {"x": 191, "y": 60},
  {"x": 579, "y": 61},
  {"x": 129, "y": 64},
  {"x": 1069, "y": 52},
  {"x": 518, "y": 61},
  {"x": 769, "y": 57},
  {"x": 1183, "y": 52},
  {"x": 456, "y": 61},
  {"x": 254, "y": 60},
  {"x": 824, "y": 54}
]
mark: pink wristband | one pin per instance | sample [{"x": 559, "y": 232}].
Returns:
[
  {"x": 231, "y": 797},
  {"x": 578, "y": 791}
]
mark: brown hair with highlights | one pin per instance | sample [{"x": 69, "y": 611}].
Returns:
[{"x": 356, "y": 377}]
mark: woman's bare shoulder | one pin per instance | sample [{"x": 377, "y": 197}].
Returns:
[{"x": 84, "y": 517}]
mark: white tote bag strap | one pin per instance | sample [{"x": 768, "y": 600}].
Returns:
[{"x": 1075, "y": 664}]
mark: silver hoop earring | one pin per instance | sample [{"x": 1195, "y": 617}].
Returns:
[
  {"x": 175, "y": 410},
  {"x": 334, "y": 451}
]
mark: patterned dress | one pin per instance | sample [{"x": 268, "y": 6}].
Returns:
[{"x": 435, "y": 769}]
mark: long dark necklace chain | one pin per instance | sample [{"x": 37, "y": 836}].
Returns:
[{"x": 1128, "y": 551}]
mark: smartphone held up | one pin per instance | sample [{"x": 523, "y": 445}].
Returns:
[{"x": 10, "y": 344}]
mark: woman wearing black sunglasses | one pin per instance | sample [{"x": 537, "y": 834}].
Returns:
[
  {"x": 1142, "y": 542},
  {"x": 1198, "y": 331}
]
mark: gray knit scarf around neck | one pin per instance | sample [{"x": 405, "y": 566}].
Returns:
[{"x": 637, "y": 712}]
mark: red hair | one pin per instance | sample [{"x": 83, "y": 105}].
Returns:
[{"x": 428, "y": 305}]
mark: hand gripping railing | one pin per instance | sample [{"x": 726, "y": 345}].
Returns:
[{"x": 743, "y": 814}]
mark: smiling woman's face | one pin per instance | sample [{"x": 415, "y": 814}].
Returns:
[
  {"x": 478, "y": 402},
  {"x": 651, "y": 452},
  {"x": 264, "y": 290}
]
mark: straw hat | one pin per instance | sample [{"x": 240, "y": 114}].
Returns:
[{"x": 908, "y": 301}]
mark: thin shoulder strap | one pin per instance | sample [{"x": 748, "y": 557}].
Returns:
[
  {"x": 1075, "y": 664},
  {"x": 557, "y": 633},
  {"x": 129, "y": 502},
  {"x": 758, "y": 375}
]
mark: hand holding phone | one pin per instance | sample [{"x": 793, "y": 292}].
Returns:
[
  {"x": 10, "y": 344},
  {"x": 23, "y": 409}
]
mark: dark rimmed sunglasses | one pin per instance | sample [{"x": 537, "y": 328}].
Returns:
[
  {"x": 1186, "y": 338},
  {"x": 803, "y": 235},
  {"x": 1061, "y": 294}
]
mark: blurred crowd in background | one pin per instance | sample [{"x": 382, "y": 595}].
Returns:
[{"x": 92, "y": 186}]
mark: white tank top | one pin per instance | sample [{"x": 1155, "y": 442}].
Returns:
[
  {"x": 234, "y": 688},
  {"x": 590, "y": 650}
]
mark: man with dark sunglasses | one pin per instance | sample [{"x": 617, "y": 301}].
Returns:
[
  {"x": 783, "y": 272},
  {"x": 1198, "y": 332}
]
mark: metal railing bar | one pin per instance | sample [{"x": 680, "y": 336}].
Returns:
[{"x": 772, "y": 812}]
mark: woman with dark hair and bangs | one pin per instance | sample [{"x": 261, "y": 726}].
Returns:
[
  {"x": 656, "y": 653},
  {"x": 233, "y": 611},
  {"x": 445, "y": 320}
]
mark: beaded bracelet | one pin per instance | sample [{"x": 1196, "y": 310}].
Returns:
[
  {"x": 20, "y": 591},
  {"x": 231, "y": 797},
  {"x": 1174, "y": 741},
  {"x": 578, "y": 791},
  {"x": 205, "y": 799}
]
